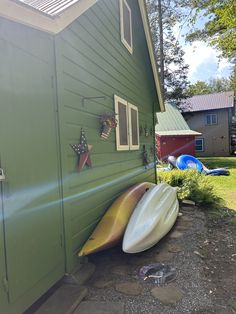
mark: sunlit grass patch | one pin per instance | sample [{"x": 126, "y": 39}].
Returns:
[
  {"x": 224, "y": 185},
  {"x": 206, "y": 190}
]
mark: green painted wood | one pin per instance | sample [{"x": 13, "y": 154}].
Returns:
[
  {"x": 29, "y": 156},
  {"x": 89, "y": 60},
  {"x": 92, "y": 61},
  {"x": 3, "y": 294}
]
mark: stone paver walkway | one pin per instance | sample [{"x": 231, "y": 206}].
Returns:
[{"x": 116, "y": 287}]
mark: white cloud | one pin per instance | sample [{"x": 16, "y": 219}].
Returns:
[
  {"x": 203, "y": 60},
  {"x": 199, "y": 55}
]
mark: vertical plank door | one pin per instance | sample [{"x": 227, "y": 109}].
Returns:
[{"x": 29, "y": 156}]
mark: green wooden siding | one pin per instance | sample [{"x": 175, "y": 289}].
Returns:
[
  {"x": 92, "y": 62},
  {"x": 43, "y": 80},
  {"x": 31, "y": 244},
  {"x": 3, "y": 295}
]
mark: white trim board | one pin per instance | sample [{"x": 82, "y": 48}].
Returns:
[
  {"x": 131, "y": 145},
  {"x": 129, "y": 135},
  {"x": 124, "y": 102},
  {"x": 122, "y": 26}
]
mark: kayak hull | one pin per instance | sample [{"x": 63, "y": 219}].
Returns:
[
  {"x": 152, "y": 219},
  {"x": 111, "y": 228}
]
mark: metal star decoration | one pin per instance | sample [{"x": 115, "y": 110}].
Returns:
[{"x": 83, "y": 151}]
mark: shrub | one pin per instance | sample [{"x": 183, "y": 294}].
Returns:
[{"x": 192, "y": 185}]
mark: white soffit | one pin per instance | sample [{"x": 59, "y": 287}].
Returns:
[
  {"x": 49, "y": 7},
  {"x": 52, "y": 18}
]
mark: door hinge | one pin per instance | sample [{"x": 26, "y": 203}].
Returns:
[{"x": 5, "y": 284}]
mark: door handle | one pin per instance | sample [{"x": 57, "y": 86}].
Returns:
[{"x": 2, "y": 176}]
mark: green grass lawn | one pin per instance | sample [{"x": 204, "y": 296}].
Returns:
[{"x": 225, "y": 185}]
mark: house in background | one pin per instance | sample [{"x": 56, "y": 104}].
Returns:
[
  {"x": 210, "y": 115},
  {"x": 64, "y": 65},
  {"x": 173, "y": 135},
  {"x": 233, "y": 133}
]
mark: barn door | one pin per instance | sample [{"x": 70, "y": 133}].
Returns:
[{"x": 29, "y": 156}]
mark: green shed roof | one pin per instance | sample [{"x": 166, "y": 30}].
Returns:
[{"x": 171, "y": 122}]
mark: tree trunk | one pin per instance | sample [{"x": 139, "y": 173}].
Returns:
[{"x": 161, "y": 45}]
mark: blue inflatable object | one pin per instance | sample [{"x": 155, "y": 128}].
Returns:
[{"x": 185, "y": 162}]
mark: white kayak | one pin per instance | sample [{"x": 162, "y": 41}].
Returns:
[{"x": 152, "y": 218}]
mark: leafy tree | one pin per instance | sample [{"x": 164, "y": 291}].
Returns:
[
  {"x": 170, "y": 56},
  {"x": 219, "y": 29},
  {"x": 233, "y": 80},
  {"x": 218, "y": 85},
  {"x": 175, "y": 70},
  {"x": 198, "y": 88},
  {"x": 213, "y": 86}
]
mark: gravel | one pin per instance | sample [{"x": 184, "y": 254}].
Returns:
[{"x": 116, "y": 268}]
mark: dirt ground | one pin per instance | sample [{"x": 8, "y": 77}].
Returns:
[
  {"x": 221, "y": 262},
  {"x": 202, "y": 249}
]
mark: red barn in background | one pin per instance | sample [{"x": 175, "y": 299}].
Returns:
[
  {"x": 173, "y": 135},
  {"x": 174, "y": 145}
]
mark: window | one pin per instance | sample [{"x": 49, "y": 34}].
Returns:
[
  {"x": 199, "y": 144},
  {"x": 133, "y": 127},
  {"x": 126, "y": 25},
  {"x": 127, "y": 130},
  {"x": 122, "y": 136},
  {"x": 211, "y": 119}
]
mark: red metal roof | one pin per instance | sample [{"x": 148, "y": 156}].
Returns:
[{"x": 208, "y": 102}]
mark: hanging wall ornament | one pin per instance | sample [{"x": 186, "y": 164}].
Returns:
[
  {"x": 83, "y": 151},
  {"x": 146, "y": 131},
  {"x": 108, "y": 121}
]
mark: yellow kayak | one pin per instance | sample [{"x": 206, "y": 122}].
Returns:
[{"x": 111, "y": 228}]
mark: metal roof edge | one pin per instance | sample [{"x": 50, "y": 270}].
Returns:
[
  {"x": 209, "y": 109},
  {"x": 178, "y": 132}
]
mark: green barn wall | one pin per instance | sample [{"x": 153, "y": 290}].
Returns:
[
  {"x": 92, "y": 62},
  {"x": 31, "y": 250},
  {"x": 87, "y": 59}
]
